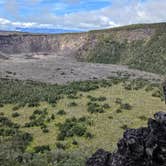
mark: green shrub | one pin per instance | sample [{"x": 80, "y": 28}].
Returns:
[
  {"x": 106, "y": 106},
  {"x": 15, "y": 108},
  {"x": 82, "y": 119},
  {"x": 27, "y": 137},
  {"x": 126, "y": 106},
  {"x": 94, "y": 108},
  {"x": 102, "y": 98},
  {"x": 15, "y": 114},
  {"x": 42, "y": 149},
  {"x": 33, "y": 104},
  {"x": 92, "y": 98},
  {"x": 110, "y": 117},
  {"x": 52, "y": 116},
  {"x": 73, "y": 104},
  {"x": 60, "y": 145},
  {"x": 45, "y": 130},
  {"x": 75, "y": 142},
  {"x": 38, "y": 112},
  {"x": 89, "y": 135},
  {"x": 61, "y": 112},
  {"x": 118, "y": 111},
  {"x": 128, "y": 86},
  {"x": 32, "y": 117}
]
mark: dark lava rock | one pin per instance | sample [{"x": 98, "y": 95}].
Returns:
[
  {"x": 100, "y": 158},
  {"x": 138, "y": 147}
]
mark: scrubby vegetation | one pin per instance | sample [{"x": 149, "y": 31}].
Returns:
[
  {"x": 54, "y": 131},
  {"x": 147, "y": 55},
  {"x": 72, "y": 127}
]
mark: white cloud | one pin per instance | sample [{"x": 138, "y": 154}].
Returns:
[
  {"x": 119, "y": 13},
  {"x": 7, "y": 24}
]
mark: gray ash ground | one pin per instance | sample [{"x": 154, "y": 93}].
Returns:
[{"x": 63, "y": 69}]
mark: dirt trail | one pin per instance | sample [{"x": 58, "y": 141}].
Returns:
[{"x": 61, "y": 70}]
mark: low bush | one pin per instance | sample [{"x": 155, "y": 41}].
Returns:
[
  {"x": 15, "y": 114},
  {"x": 60, "y": 145},
  {"x": 110, "y": 117},
  {"x": 6, "y": 132},
  {"x": 128, "y": 86},
  {"x": 72, "y": 104},
  {"x": 75, "y": 142},
  {"x": 89, "y": 135},
  {"x": 118, "y": 110},
  {"x": 38, "y": 112},
  {"x": 33, "y": 104},
  {"x": 32, "y": 117},
  {"x": 126, "y": 106},
  {"x": 94, "y": 108},
  {"x": 101, "y": 98},
  {"x": 42, "y": 149},
  {"x": 61, "y": 112},
  {"x": 15, "y": 108},
  {"x": 1, "y": 105},
  {"x": 4, "y": 121},
  {"x": 45, "y": 130},
  {"x": 106, "y": 106},
  {"x": 52, "y": 116}
]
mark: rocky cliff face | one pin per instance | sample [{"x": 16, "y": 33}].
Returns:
[
  {"x": 138, "y": 147},
  {"x": 30, "y": 43},
  {"x": 15, "y": 42}
]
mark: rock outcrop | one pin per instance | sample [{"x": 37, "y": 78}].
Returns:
[
  {"x": 138, "y": 147},
  {"x": 36, "y": 43}
]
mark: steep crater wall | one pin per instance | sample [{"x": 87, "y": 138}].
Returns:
[
  {"x": 30, "y": 43},
  {"x": 78, "y": 44}
]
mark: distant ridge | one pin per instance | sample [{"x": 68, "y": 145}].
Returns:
[{"x": 46, "y": 30}]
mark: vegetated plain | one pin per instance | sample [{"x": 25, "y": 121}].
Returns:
[{"x": 63, "y": 124}]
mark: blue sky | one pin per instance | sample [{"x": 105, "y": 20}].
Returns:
[{"x": 79, "y": 14}]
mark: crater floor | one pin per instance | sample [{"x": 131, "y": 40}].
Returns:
[{"x": 63, "y": 69}]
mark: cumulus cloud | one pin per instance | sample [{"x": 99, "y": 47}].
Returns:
[
  {"x": 5, "y": 23},
  {"x": 118, "y": 13}
]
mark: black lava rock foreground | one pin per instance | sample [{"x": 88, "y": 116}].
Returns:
[{"x": 138, "y": 147}]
